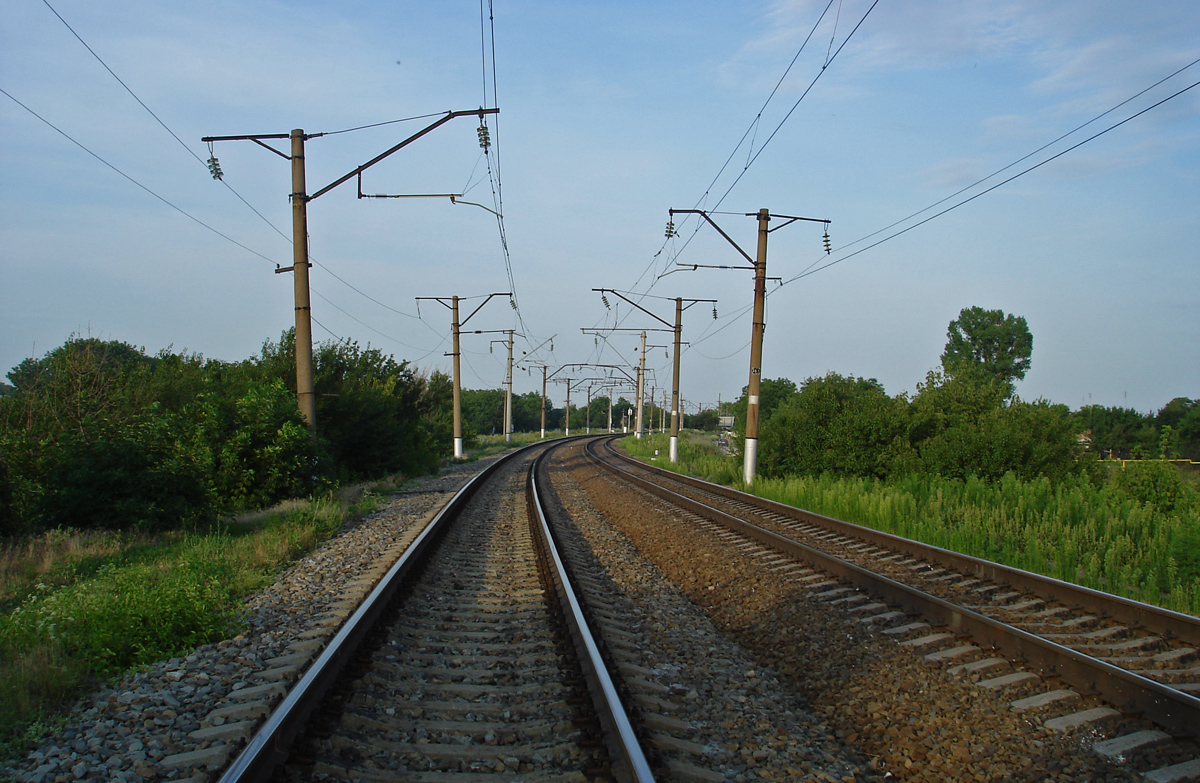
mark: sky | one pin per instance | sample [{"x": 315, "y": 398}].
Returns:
[{"x": 860, "y": 112}]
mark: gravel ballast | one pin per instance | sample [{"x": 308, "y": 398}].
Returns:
[
  {"x": 911, "y": 719},
  {"x": 185, "y": 718}
]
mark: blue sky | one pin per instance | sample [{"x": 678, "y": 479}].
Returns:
[{"x": 612, "y": 113}]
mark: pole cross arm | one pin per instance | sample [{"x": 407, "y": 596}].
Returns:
[
  {"x": 626, "y": 329},
  {"x": 720, "y": 231},
  {"x": 433, "y": 126},
  {"x": 662, "y": 321},
  {"x": 790, "y": 220}
]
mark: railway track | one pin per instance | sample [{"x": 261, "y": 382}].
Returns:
[
  {"x": 1075, "y": 660},
  {"x": 459, "y": 666}
]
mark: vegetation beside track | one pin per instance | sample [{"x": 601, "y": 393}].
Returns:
[
  {"x": 1133, "y": 531},
  {"x": 81, "y": 607}
]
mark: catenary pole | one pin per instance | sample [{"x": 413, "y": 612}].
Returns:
[
  {"x": 508, "y": 416},
  {"x": 305, "y": 392},
  {"x": 750, "y": 463},
  {"x": 306, "y": 397},
  {"x": 641, "y": 387},
  {"x": 455, "y": 328},
  {"x": 675, "y": 417}
]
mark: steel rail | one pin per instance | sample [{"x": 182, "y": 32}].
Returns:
[
  {"x": 1163, "y": 622},
  {"x": 1175, "y": 711},
  {"x": 270, "y": 746},
  {"x": 625, "y": 751}
]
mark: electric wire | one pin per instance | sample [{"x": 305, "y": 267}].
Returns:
[
  {"x": 673, "y": 257},
  {"x": 1023, "y": 158},
  {"x": 368, "y": 326},
  {"x": 487, "y": 34},
  {"x": 327, "y": 329},
  {"x": 158, "y": 119},
  {"x": 381, "y": 124},
  {"x": 178, "y": 209},
  {"x": 751, "y": 159},
  {"x": 813, "y": 270},
  {"x": 231, "y": 189}
]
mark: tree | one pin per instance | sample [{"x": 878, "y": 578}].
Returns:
[
  {"x": 988, "y": 344},
  {"x": 838, "y": 424},
  {"x": 772, "y": 393},
  {"x": 1116, "y": 432},
  {"x": 1182, "y": 415}
]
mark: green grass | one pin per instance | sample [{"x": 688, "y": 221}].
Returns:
[
  {"x": 1101, "y": 536},
  {"x": 82, "y": 608},
  {"x": 698, "y": 456}
]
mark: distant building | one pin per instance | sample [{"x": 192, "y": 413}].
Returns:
[{"x": 725, "y": 422}]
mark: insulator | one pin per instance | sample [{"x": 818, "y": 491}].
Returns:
[
  {"x": 604, "y": 298},
  {"x": 485, "y": 137},
  {"x": 671, "y": 229},
  {"x": 827, "y": 247},
  {"x": 666, "y": 353},
  {"x": 214, "y": 168},
  {"x": 512, "y": 303},
  {"x": 491, "y": 349},
  {"x": 596, "y": 341},
  {"x": 714, "y": 312}
]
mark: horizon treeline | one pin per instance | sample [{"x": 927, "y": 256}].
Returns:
[{"x": 100, "y": 434}]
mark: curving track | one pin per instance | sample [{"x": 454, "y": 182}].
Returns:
[
  {"x": 1068, "y": 645},
  {"x": 459, "y": 666}
]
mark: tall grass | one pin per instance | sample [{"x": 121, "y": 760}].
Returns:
[
  {"x": 698, "y": 456},
  {"x": 1093, "y": 535},
  {"x": 1074, "y": 531},
  {"x": 86, "y": 607}
]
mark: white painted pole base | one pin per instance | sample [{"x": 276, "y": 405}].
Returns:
[
  {"x": 543, "y": 434},
  {"x": 751, "y": 465},
  {"x": 508, "y": 437},
  {"x": 674, "y": 448},
  {"x": 458, "y": 452},
  {"x": 567, "y": 432}
]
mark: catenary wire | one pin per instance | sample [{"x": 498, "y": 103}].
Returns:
[
  {"x": 381, "y": 124},
  {"x": 366, "y": 325},
  {"x": 1023, "y": 158},
  {"x": 813, "y": 270},
  {"x": 158, "y": 119},
  {"x": 178, "y": 209},
  {"x": 674, "y": 256},
  {"x": 231, "y": 189}
]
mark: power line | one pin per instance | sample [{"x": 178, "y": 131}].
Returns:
[
  {"x": 381, "y": 124},
  {"x": 361, "y": 323},
  {"x": 487, "y": 34},
  {"x": 158, "y": 119},
  {"x": 1023, "y": 158},
  {"x": 180, "y": 210},
  {"x": 751, "y": 159},
  {"x": 327, "y": 329},
  {"x": 275, "y": 228},
  {"x": 811, "y": 270}
]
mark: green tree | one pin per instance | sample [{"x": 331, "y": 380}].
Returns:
[
  {"x": 771, "y": 394},
  {"x": 988, "y": 344},
  {"x": 704, "y": 420},
  {"x": 527, "y": 412},
  {"x": 963, "y": 426},
  {"x": 483, "y": 410},
  {"x": 1116, "y": 432},
  {"x": 369, "y": 408},
  {"x": 837, "y": 424},
  {"x": 1182, "y": 415}
]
